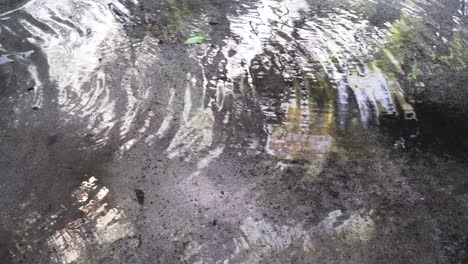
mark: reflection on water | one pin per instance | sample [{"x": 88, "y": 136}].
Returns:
[
  {"x": 293, "y": 63},
  {"x": 261, "y": 240},
  {"x": 106, "y": 225},
  {"x": 81, "y": 42},
  {"x": 308, "y": 54},
  {"x": 308, "y": 125},
  {"x": 298, "y": 62},
  {"x": 197, "y": 128},
  {"x": 87, "y": 237}
]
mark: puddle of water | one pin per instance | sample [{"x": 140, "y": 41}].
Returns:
[{"x": 288, "y": 79}]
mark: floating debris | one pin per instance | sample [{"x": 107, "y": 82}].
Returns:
[
  {"x": 7, "y": 58},
  {"x": 196, "y": 39}
]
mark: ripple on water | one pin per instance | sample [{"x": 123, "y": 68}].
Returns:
[
  {"x": 87, "y": 54},
  {"x": 284, "y": 40},
  {"x": 297, "y": 61}
]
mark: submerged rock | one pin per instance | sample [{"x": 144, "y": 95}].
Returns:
[{"x": 140, "y": 196}]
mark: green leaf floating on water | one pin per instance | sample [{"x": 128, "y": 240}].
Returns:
[{"x": 196, "y": 39}]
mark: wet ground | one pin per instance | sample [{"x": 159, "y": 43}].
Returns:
[{"x": 300, "y": 131}]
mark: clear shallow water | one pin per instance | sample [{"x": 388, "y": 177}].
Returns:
[{"x": 267, "y": 143}]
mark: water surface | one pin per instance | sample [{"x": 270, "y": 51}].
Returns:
[{"x": 301, "y": 131}]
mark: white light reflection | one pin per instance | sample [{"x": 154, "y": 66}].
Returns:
[
  {"x": 100, "y": 224},
  {"x": 82, "y": 40}
]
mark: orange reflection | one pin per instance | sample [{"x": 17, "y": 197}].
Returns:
[{"x": 308, "y": 126}]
